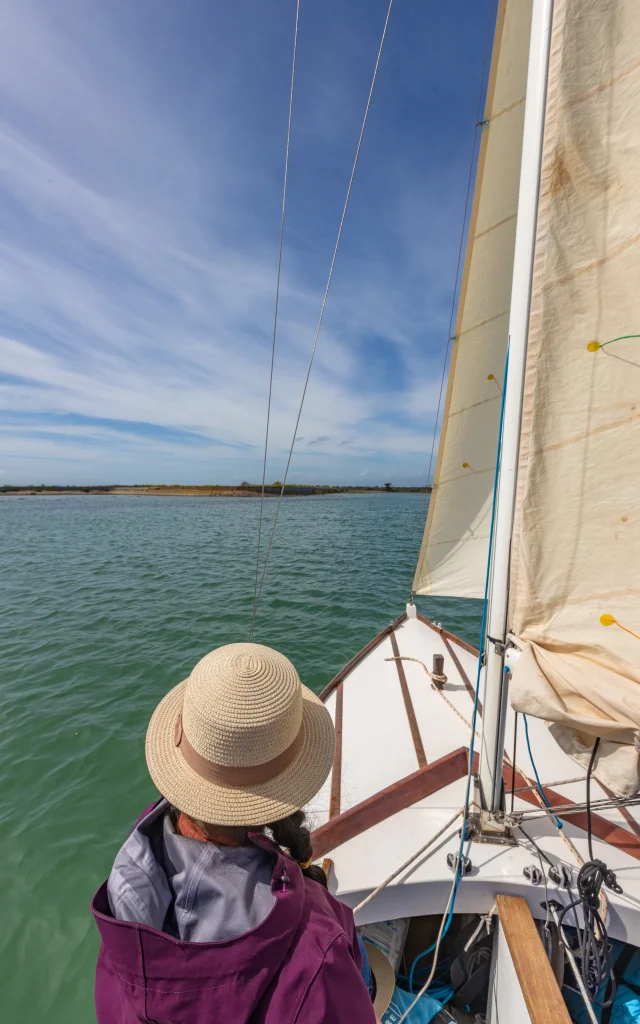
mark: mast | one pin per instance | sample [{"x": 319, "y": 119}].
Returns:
[{"x": 496, "y": 684}]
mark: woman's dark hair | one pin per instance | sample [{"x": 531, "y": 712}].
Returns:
[
  {"x": 290, "y": 833},
  {"x": 293, "y": 834}
]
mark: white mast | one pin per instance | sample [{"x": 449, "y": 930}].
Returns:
[{"x": 495, "y": 690}]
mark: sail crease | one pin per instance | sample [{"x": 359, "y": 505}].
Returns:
[{"x": 576, "y": 540}]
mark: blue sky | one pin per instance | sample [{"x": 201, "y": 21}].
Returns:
[{"x": 141, "y": 159}]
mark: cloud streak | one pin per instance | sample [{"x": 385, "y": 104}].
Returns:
[{"x": 140, "y": 163}]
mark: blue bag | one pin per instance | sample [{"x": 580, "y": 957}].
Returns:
[
  {"x": 424, "y": 1010},
  {"x": 626, "y": 1006}
]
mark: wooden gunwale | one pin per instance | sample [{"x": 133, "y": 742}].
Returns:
[
  {"x": 357, "y": 658},
  {"x": 445, "y": 634},
  {"x": 336, "y": 771},
  {"x": 382, "y": 635}
]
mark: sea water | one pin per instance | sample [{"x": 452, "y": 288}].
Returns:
[{"x": 106, "y": 603}]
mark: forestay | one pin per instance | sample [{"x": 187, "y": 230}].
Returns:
[
  {"x": 454, "y": 550},
  {"x": 576, "y": 548}
]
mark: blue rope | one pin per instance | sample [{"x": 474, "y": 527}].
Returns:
[
  {"x": 463, "y": 832},
  {"x": 559, "y": 824}
]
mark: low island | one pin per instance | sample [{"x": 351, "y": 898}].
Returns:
[{"x": 243, "y": 490}]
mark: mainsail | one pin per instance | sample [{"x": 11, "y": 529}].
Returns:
[
  {"x": 454, "y": 550},
  {"x": 576, "y": 541}
]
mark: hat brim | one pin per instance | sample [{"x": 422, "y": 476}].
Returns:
[
  {"x": 250, "y": 805},
  {"x": 385, "y": 977}
]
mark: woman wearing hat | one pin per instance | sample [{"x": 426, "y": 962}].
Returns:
[{"x": 206, "y": 919}]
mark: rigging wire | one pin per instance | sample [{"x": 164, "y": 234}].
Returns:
[
  {"x": 544, "y": 875},
  {"x": 535, "y": 772},
  {"x": 570, "y": 809},
  {"x": 275, "y": 314},
  {"x": 513, "y": 761},
  {"x": 551, "y": 785},
  {"x": 540, "y": 852},
  {"x": 322, "y": 309},
  {"x": 479, "y": 124},
  {"x": 407, "y": 863}
]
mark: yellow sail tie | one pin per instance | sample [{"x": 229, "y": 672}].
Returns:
[
  {"x": 593, "y": 346},
  {"x": 609, "y": 620}
]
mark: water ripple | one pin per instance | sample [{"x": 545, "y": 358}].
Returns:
[{"x": 106, "y": 603}]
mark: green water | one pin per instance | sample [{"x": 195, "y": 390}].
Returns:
[{"x": 107, "y": 602}]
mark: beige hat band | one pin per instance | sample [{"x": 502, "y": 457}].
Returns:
[{"x": 228, "y": 775}]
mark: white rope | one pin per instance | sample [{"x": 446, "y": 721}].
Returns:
[
  {"x": 275, "y": 314},
  {"x": 485, "y": 922},
  {"x": 432, "y": 676},
  {"x": 435, "y": 677},
  {"x": 407, "y": 863},
  {"x": 435, "y": 954},
  {"x": 549, "y": 785},
  {"x": 324, "y": 302}
]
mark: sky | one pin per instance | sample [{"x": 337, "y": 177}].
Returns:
[{"x": 141, "y": 162}]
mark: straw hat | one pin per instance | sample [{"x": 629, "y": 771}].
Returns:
[
  {"x": 241, "y": 741},
  {"x": 385, "y": 978}
]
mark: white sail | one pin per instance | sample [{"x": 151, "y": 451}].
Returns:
[
  {"x": 576, "y": 542},
  {"x": 454, "y": 550}
]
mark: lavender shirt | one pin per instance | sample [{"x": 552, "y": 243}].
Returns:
[{"x": 195, "y": 891}]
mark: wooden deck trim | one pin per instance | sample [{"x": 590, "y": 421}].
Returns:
[
  {"x": 539, "y": 987},
  {"x": 463, "y": 675},
  {"x": 615, "y": 835},
  {"x": 624, "y": 811},
  {"x": 408, "y": 705},
  {"x": 389, "y": 801},
  {"x": 357, "y": 658},
  {"x": 336, "y": 771},
  {"x": 444, "y": 633},
  {"x": 610, "y": 833}
]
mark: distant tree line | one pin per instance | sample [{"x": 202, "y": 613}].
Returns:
[{"x": 274, "y": 488}]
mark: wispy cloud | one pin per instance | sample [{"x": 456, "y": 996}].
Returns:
[{"x": 140, "y": 165}]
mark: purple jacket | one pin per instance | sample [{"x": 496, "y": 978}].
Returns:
[{"x": 301, "y": 964}]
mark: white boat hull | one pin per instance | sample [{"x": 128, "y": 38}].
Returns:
[{"x": 389, "y": 729}]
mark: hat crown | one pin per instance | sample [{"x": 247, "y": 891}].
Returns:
[{"x": 242, "y": 705}]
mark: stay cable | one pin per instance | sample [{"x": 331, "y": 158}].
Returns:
[
  {"x": 321, "y": 317},
  {"x": 277, "y": 303}
]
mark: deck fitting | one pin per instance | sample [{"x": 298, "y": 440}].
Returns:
[{"x": 492, "y": 827}]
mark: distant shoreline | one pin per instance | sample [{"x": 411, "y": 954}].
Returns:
[{"x": 208, "y": 491}]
